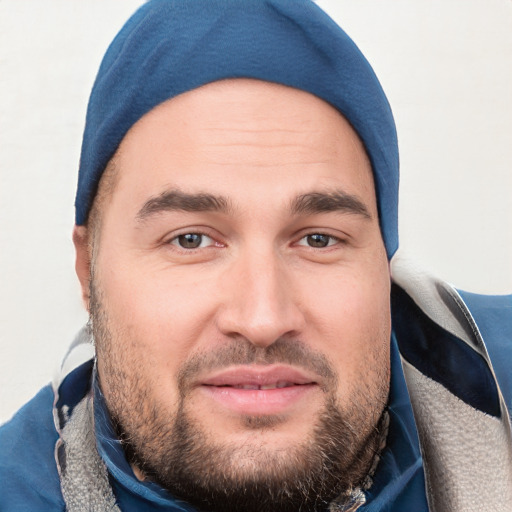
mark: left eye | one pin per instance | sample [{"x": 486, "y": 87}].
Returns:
[
  {"x": 318, "y": 240},
  {"x": 192, "y": 241}
]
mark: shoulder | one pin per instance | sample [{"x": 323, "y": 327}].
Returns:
[
  {"x": 492, "y": 313},
  {"x": 493, "y": 316},
  {"x": 28, "y": 472}
]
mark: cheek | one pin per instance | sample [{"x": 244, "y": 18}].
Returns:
[
  {"x": 354, "y": 323},
  {"x": 356, "y": 302},
  {"x": 159, "y": 306},
  {"x": 155, "y": 324}
]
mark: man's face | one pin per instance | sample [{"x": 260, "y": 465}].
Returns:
[{"x": 240, "y": 296}]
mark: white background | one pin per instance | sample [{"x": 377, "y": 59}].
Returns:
[{"x": 445, "y": 64}]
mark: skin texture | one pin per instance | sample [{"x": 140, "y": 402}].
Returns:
[{"x": 290, "y": 276}]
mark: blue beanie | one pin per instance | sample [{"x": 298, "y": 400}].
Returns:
[{"x": 171, "y": 46}]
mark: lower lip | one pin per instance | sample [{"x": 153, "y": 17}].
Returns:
[{"x": 258, "y": 401}]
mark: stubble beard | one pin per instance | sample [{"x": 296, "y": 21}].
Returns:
[{"x": 175, "y": 450}]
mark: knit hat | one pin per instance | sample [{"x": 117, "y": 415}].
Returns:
[{"x": 171, "y": 46}]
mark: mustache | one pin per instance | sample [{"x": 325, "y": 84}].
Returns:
[{"x": 241, "y": 351}]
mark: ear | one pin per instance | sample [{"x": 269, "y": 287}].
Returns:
[{"x": 83, "y": 261}]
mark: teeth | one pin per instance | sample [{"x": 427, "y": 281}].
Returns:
[{"x": 275, "y": 385}]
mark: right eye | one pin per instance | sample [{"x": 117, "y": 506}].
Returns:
[{"x": 192, "y": 241}]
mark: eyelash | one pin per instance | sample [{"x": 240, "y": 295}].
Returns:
[
  {"x": 176, "y": 240},
  {"x": 331, "y": 240}
]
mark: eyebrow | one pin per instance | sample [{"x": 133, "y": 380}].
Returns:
[
  {"x": 176, "y": 200},
  {"x": 335, "y": 201},
  {"x": 310, "y": 203}
]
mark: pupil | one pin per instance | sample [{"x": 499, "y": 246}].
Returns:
[
  {"x": 318, "y": 240},
  {"x": 190, "y": 240}
]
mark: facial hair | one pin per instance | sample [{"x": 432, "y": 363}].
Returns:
[{"x": 176, "y": 450}]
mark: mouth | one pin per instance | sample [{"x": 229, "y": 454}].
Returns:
[
  {"x": 259, "y": 390},
  {"x": 277, "y": 385}
]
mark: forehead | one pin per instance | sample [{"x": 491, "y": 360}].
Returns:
[{"x": 243, "y": 133}]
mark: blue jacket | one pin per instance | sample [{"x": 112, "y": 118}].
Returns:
[{"x": 434, "y": 346}]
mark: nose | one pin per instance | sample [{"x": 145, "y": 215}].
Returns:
[{"x": 260, "y": 302}]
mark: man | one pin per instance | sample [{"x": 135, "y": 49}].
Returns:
[{"x": 236, "y": 215}]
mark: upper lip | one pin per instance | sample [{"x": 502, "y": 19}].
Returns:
[{"x": 258, "y": 376}]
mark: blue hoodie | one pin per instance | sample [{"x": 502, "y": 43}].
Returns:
[
  {"x": 29, "y": 477},
  {"x": 442, "y": 371}
]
